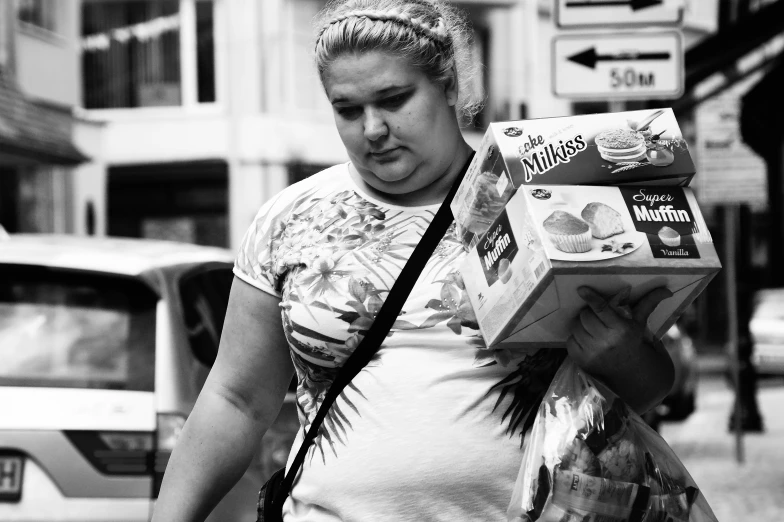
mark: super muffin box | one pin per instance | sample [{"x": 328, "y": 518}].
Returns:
[
  {"x": 522, "y": 275},
  {"x": 625, "y": 148}
]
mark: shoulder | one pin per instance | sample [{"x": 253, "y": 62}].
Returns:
[
  {"x": 334, "y": 177},
  {"x": 315, "y": 187},
  {"x": 280, "y": 224}
]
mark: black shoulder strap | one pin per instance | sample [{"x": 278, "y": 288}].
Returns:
[{"x": 387, "y": 315}]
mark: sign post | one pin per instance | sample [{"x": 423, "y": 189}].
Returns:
[
  {"x": 731, "y": 219},
  {"x": 630, "y": 65},
  {"x": 623, "y": 13}
]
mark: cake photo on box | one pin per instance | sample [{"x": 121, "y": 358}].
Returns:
[{"x": 621, "y": 145}]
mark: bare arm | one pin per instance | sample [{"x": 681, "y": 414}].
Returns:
[{"x": 240, "y": 400}]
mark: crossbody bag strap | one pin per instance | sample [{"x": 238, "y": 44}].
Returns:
[{"x": 382, "y": 324}]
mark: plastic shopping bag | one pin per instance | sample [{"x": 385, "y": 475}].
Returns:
[{"x": 590, "y": 458}]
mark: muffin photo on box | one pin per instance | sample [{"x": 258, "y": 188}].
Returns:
[
  {"x": 603, "y": 219},
  {"x": 669, "y": 236},
  {"x": 621, "y": 145},
  {"x": 567, "y": 232}
]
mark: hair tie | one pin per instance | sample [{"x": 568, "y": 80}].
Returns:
[{"x": 438, "y": 33}]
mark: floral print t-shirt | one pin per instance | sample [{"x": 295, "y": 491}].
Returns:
[{"x": 432, "y": 428}]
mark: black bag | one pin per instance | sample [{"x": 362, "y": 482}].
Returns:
[
  {"x": 275, "y": 491},
  {"x": 266, "y": 509}
]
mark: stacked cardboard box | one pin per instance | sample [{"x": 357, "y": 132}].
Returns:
[{"x": 599, "y": 200}]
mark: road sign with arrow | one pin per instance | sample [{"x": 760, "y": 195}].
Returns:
[
  {"x": 618, "y": 66},
  {"x": 625, "y": 13}
]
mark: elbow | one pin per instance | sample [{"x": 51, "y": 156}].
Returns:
[{"x": 244, "y": 402}]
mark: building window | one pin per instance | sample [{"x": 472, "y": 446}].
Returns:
[
  {"x": 299, "y": 171},
  {"x": 5, "y": 11},
  {"x": 205, "y": 51},
  {"x": 132, "y": 53},
  {"x": 40, "y": 13},
  {"x": 183, "y": 201}
]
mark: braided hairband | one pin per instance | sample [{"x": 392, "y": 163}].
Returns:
[{"x": 436, "y": 32}]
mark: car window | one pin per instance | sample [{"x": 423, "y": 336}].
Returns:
[
  {"x": 70, "y": 329},
  {"x": 204, "y": 296}
]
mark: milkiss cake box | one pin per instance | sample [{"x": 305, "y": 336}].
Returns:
[
  {"x": 626, "y": 148},
  {"x": 523, "y": 274}
]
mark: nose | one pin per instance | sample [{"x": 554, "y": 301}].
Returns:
[{"x": 375, "y": 126}]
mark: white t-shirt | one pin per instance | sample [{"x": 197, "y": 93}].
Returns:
[{"x": 431, "y": 429}]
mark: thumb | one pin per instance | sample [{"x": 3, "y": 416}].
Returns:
[{"x": 648, "y": 303}]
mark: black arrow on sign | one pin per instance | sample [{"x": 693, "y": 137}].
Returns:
[
  {"x": 634, "y": 4},
  {"x": 589, "y": 57}
]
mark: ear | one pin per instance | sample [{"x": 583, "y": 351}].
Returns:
[{"x": 450, "y": 88}]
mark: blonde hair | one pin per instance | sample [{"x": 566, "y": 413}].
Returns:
[{"x": 432, "y": 35}]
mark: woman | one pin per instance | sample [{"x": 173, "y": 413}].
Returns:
[{"x": 432, "y": 428}]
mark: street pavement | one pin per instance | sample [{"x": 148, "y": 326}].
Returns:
[{"x": 738, "y": 492}]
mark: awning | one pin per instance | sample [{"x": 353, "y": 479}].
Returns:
[
  {"x": 32, "y": 131},
  {"x": 750, "y": 45}
]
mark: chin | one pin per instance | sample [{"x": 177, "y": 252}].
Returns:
[{"x": 392, "y": 172}]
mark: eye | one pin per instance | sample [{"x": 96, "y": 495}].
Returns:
[
  {"x": 348, "y": 112},
  {"x": 396, "y": 101}
]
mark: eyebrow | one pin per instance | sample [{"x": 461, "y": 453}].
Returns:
[{"x": 380, "y": 93}]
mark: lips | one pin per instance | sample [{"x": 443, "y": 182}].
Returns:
[{"x": 382, "y": 153}]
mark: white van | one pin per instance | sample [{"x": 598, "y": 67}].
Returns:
[{"x": 104, "y": 346}]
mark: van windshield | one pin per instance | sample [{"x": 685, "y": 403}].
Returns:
[{"x": 70, "y": 329}]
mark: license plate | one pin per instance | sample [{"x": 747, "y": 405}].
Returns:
[{"x": 11, "y": 478}]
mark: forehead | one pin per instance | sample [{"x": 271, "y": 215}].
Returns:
[{"x": 367, "y": 74}]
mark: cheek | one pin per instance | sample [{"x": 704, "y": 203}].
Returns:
[
  {"x": 350, "y": 133},
  {"x": 414, "y": 126}
]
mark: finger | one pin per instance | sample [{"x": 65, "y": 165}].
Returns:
[
  {"x": 619, "y": 302},
  {"x": 574, "y": 349},
  {"x": 592, "y": 324},
  {"x": 648, "y": 303},
  {"x": 593, "y": 298},
  {"x": 622, "y": 297},
  {"x": 623, "y": 311},
  {"x": 583, "y": 338},
  {"x": 600, "y": 306}
]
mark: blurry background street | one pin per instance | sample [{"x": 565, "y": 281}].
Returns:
[
  {"x": 127, "y": 122},
  {"x": 749, "y": 491}
]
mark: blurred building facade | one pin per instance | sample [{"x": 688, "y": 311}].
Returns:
[
  {"x": 189, "y": 114},
  {"x": 37, "y": 127},
  {"x": 184, "y": 116}
]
